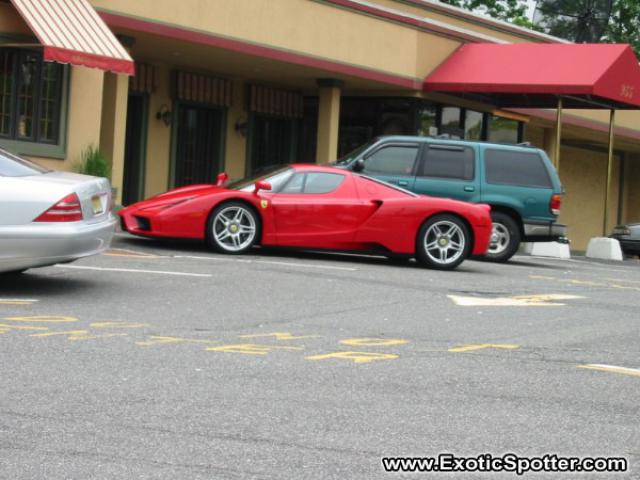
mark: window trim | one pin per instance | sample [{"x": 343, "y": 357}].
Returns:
[
  {"x": 542, "y": 162},
  {"x": 58, "y": 150}
]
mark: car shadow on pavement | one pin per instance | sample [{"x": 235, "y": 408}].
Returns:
[
  {"x": 195, "y": 247},
  {"x": 37, "y": 283}
]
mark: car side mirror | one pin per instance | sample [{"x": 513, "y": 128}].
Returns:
[
  {"x": 358, "y": 165},
  {"x": 262, "y": 185},
  {"x": 222, "y": 179}
]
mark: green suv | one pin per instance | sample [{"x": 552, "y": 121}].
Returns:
[{"x": 519, "y": 182}]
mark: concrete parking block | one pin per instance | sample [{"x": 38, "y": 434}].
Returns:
[{"x": 604, "y": 249}]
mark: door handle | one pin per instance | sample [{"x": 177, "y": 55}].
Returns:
[
  {"x": 469, "y": 189},
  {"x": 403, "y": 183}
]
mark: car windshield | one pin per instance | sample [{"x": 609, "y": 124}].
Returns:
[
  {"x": 276, "y": 176},
  {"x": 349, "y": 157},
  {"x": 14, "y": 166}
]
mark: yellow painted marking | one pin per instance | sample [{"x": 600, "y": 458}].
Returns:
[
  {"x": 541, "y": 277},
  {"x": 250, "y": 348},
  {"x": 43, "y": 319},
  {"x": 159, "y": 340},
  {"x": 118, "y": 325},
  {"x": 17, "y": 301},
  {"x": 355, "y": 357},
  {"x": 278, "y": 336},
  {"x": 544, "y": 300},
  {"x": 75, "y": 335},
  {"x": 634, "y": 372},
  {"x": 480, "y": 346},
  {"x": 7, "y": 328},
  {"x": 373, "y": 342},
  {"x": 123, "y": 252}
]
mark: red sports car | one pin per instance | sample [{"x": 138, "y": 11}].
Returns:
[{"x": 312, "y": 206}]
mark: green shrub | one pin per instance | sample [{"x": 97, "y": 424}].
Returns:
[{"x": 93, "y": 162}]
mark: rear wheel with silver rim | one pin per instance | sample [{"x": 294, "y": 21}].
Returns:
[
  {"x": 505, "y": 238},
  {"x": 233, "y": 227},
  {"x": 443, "y": 242}
]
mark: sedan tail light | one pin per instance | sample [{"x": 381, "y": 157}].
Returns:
[
  {"x": 66, "y": 210},
  {"x": 555, "y": 204}
]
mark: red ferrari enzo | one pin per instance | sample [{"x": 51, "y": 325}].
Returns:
[{"x": 312, "y": 206}]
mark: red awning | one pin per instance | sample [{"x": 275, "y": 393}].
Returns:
[
  {"x": 72, "y": 32},
  {"x": 535, "y": 74}
]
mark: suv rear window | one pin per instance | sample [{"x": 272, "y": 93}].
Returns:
[{"x": 509, "y": 167}]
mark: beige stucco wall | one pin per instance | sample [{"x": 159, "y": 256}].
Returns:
[
  {"x": 84, "y": 116},
  {"x": 235, "y": 141},
  {"x": 583, "y": 174},
  {"x": 303, "y": 26},
  {"x": 158, "y": 137}
]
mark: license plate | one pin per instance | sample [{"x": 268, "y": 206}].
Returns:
[{"x": 96, "y": 202}]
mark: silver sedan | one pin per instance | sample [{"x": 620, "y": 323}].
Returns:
[
  {"x": 49, "y": 217},
  {"x": 629, "y": 238}
]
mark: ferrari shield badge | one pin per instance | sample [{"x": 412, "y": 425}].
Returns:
[{"x": 264, "y": 203}]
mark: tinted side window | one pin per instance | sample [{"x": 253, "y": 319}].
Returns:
[
  {"x": 516, "y": 168},
  {"x": 448, "y": 162},
  {"x": 313, "y": 183},
  {"x": 392, "y": 160},
  {"x": 322, "y": 182}
]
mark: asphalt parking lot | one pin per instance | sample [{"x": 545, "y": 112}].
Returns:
[{"x": 166, "y": 361}]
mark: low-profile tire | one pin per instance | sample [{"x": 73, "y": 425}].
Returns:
[
  {"x": 443, "y": 242},
  {"x": 233, "y": 228},
  {"x": 505, "y": 238}
]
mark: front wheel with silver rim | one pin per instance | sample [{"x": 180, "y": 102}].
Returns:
[
  {"x": 233, "y": 227},
  {"x": 505, "y": 238},
  {"x": 443, "y": 242}
]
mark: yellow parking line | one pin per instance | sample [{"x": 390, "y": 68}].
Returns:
[
  {"x": 634, "y": 372},
  {"x": 480, "y": 346}
]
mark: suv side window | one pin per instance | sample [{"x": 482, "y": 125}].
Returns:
[
  {"x": 315, "y": 182},
  {"x": 392, "y": 160},
  {"x": 509, "y": 167},
  {"x": 448, "y": 161}
]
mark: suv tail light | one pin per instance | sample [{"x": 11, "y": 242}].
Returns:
[
  {"x": 66, "y": 210},
  {"x": 555, "y": 204}
]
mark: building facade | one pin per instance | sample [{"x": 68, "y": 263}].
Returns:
[{"x": 237, "y": 85}]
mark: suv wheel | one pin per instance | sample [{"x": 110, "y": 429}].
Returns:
[{"x": 505, "y": 238}]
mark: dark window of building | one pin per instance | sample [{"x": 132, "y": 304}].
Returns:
[
  {"x": 451, "y": 122},
  {"x": 516, "y": 168},
  {"x": 363, "y": 118},
  {"x": 427, "y": 121},
  {"x": 313, "y": 183},
  {"x": 308, "y": 141},
  {"x": 473, "y": 125},
  {"x": 392, "y": 160},
  {"x": 30, "y": 96},
  {"x": 503, "y": 130},
  {"x": 445, "y": 161}
]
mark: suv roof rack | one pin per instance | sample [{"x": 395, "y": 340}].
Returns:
[{"x": 524, "y": 144}]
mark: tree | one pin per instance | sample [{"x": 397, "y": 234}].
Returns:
[
  {"x": 624, "y": 25},
  {"x": 514, "y": 11}
]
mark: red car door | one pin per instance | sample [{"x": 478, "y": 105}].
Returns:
[{"x": 318, "y": 209}]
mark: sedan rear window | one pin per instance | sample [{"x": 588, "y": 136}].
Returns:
[{"x": 14, "y": 166}]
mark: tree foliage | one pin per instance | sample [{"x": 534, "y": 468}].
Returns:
[
  {"x": 514, "y": 11},
  {"x": 623, "y": 26}
]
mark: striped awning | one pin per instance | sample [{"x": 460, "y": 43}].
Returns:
[{"x": 71, "y": 31}]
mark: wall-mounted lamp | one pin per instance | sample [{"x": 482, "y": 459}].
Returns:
[
  {"x": 165, "y": 115},
  {"x": 242, "y": 126}
]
